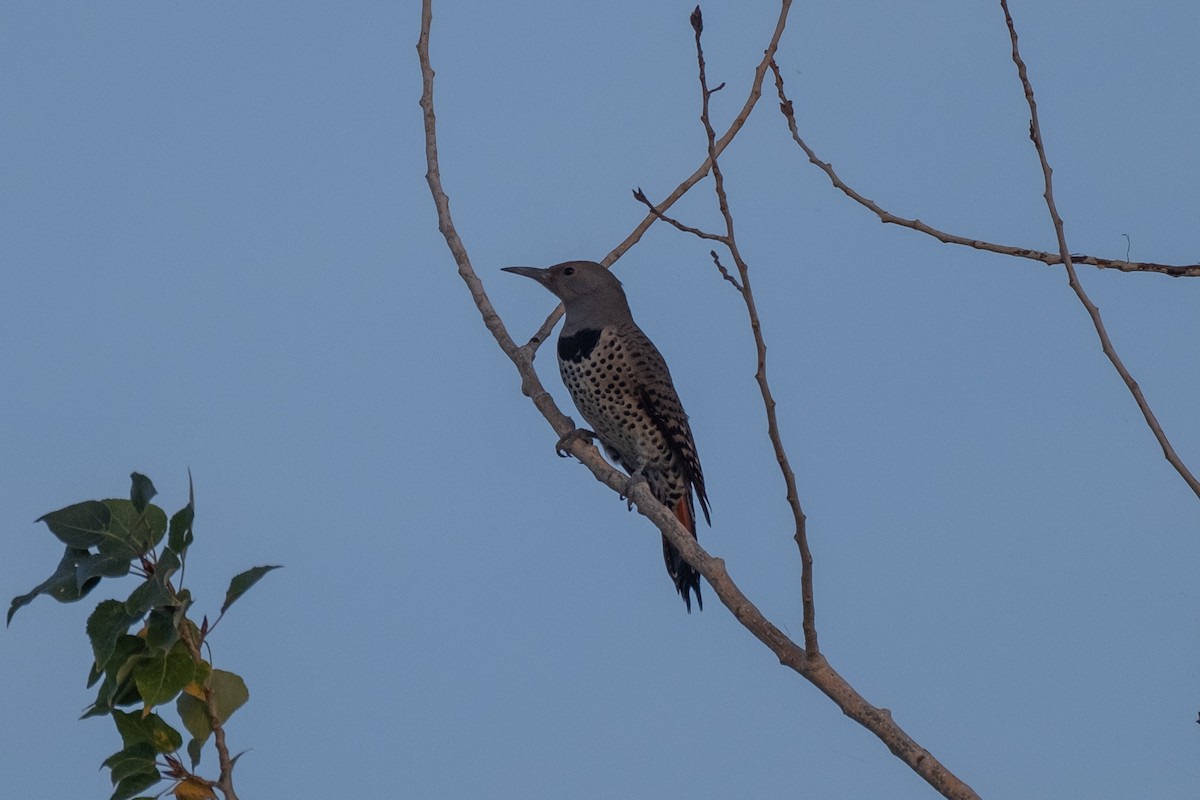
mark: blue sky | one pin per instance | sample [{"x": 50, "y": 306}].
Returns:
[{"x": 220, "y": 253}]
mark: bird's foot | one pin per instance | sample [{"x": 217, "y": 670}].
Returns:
[
  {"x": 560, "y": 449},
  {"x": 630, "y": 485}
]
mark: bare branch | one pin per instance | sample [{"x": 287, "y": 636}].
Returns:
[
  {"x": 636, "y": 234},
  {"x": 760, "y": 73},
  {"x": 433, "y": 177},
  {"x": 813, "y": 667},
  {"x": 887, "y": 217},
  {"x": 724, "y": 272},
  {"x": 760, "y": 345},
  {"x": 640, "y": 196},
  {"x": 1035, "y": 133}
]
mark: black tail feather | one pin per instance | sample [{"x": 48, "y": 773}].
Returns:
[{"x": 686, "y": 579}]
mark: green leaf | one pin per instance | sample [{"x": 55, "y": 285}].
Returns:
[
  {"x": 195, "y": 719},
  {"x": 162, "y": 676},
  {"x": 102, "y": 565},
  {"x": 161, "y": 632},
  {"x": 229, "y": 693},
  {"x": 118, "y": 688},
  {"x": 149, "y": 595},
  {"x": 241, "y": 584},
  {"x": 167, "y": 565},
  {"x": 105, "y": 625},
  {"x": 156, "y": 591},
  {"x": 180, "y": 537},
  {"x": 95, "y": 710},
  {"x": 131, "y": 786},
  {"x": 194, "y": 749},
  {"x": 133, "y": 760},
  {"x": 194, "y": 713},
  {"x": 17, "y": 602},
  {"x": 82, "y": 525},
  {"x": 184, "y": 596},
  {"x": 203, "y": 670},
  {"x": 63, "y": 585},
  {"x": 150, "y": 729},
  {"x": 129, "y": 650},
  {"x": 141, "y": 492},
  {"x": 132, "y": 531}
]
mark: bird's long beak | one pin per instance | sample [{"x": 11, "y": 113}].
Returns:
[{"x": 542, "y": 276}]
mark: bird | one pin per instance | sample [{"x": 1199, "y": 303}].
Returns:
[{"x": 621, "y": 385}]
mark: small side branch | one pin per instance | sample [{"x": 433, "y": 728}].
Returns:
[
  {"x": 1035, "y": 134},
  {"x": 739, "y": 121},
  {"x": 724, "y": 272},
  {"x": 640, "y": 196},
  {"x": 720, "y": 144},
  {"x": 888, "y": 218}
]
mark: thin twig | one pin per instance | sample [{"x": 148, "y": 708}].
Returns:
[
  {"x": 636, "y": 234},
  {"x": 724, "y": 272},
  {"x": 1035, "y": 133},
  {"x": 814, "y": 668},
  {"x": 640, "y": 196},
  {"x": 730, "y": 240},
  {"x": 887, "y": 217}
]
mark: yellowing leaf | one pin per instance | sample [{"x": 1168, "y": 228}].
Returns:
[
  {"x": 192, "y": 789},
  {"x": 162, "y": 740}
]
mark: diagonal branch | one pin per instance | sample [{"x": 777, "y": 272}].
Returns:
[
  {"x": 636, "y": 234},
  {"x": 812, "y": 667},
  {"x": 531, "y": 386},
  {"x": 887, "y": 217},
  {"x": 1035, "y": 133}
]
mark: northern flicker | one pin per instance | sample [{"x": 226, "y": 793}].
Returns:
[{"x": 621, "y": 385}]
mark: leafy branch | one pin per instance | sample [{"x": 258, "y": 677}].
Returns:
[{"x": 146, "y": 650}]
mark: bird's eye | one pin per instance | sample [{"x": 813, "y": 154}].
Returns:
[{"x": 569, "y": 271}]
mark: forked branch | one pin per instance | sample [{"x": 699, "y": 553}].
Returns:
[
  {"x": 760, "y": 73},
  {"x": 887, "y": 217},
  {"x": 746, "y": 290},
  {"x": 813, "y": 667},
  {"x": 1035, "y": 133}
]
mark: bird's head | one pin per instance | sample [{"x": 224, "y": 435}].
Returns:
[{"x": 572, "y": 281}]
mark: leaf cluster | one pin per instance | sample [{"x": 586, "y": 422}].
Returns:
[{"x": 146, "y": 651}]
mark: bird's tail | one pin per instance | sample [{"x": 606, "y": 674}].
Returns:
[{"x": 687, "y": 580}]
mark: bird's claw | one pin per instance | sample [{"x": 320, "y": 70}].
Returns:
[
  {"x": 627, "y": 494},
  {"x": 560, "y": 449}
]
